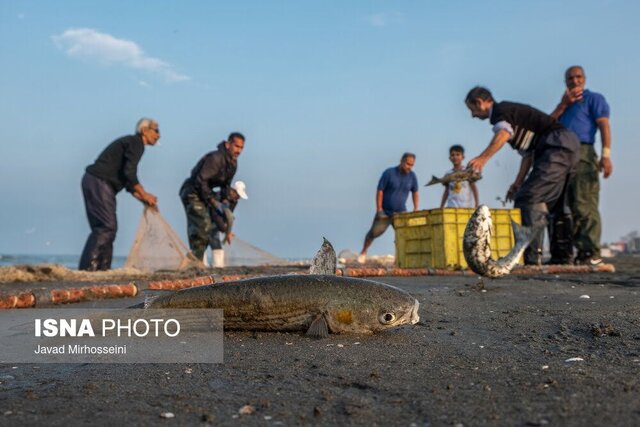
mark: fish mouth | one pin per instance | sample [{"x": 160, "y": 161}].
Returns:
[
  {"x": 484, "y": 211},
  {"x": 415, "y": 318}
]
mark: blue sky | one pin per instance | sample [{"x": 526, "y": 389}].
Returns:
[{"x": 328, "y": 93}]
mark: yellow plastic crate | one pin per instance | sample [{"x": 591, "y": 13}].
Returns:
[{"x": 433, "y": 238}]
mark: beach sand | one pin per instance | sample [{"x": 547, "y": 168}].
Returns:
[{"x": 481, "y": 355}]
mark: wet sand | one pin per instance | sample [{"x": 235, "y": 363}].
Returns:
[{"x": 481, "y": 355}]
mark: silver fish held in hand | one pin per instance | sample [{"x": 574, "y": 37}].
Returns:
[
  {"x": 476, "y": 245},
  {"x": 317, "y": 304},
  {"x": 455, "y": 176}
]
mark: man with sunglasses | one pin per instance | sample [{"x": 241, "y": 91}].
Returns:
[{"x": 114, "y": 169}]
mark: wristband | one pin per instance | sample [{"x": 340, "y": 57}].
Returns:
[{"x": 606, "y": 152}]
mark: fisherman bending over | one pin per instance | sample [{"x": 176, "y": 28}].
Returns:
[
  {"x": 391, "y": 197},
  {"x": 545, "y": 145},
  {"x": 116, "y": 168},
  {"x": 214, "y": 169}
]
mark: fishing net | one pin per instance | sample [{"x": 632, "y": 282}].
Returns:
[
  {"x": 158, "y": 247},
  {"x": 241, "y": 253}
]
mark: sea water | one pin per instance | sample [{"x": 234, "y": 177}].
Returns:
[{"x": 69, "y": 261}]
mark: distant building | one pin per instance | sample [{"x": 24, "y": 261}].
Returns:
[
  {"x": 618, "y": 247},
  {"x": 633, "y": 245}
]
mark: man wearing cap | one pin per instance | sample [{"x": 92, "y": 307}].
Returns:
[
  {"x": 394, "y": 187},
  {"x": 585, "y": 112},
  {"x": 222, "y": 220},
  {"x": 214, "y": 169},
  {"x": 114, "y": 169}
]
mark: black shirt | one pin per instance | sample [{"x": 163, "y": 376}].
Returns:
[
  {"x": 528, "y": 123},
  {"x": 118, "y": 163},
  {"x": 214, "y": 169}
]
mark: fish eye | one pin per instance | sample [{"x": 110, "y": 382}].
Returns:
[{"x": 386, "y": 318}]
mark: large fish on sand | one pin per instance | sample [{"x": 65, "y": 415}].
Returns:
[
  {"x": 476, "y": 244},
  {"x": 455, "y": 176},
  {"x": 317, "y": 304}
]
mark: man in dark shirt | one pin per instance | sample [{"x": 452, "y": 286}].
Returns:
[
  {"x": 214, "y": 169},
  {"x": 394, "y": 187},
  {"x": 550, "y": 155},
  {"x": 116, "y": 168}
]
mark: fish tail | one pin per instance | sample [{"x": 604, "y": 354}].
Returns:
[
  {"x": 434, "y": 180},
  {"x": 524, "y": 235}
]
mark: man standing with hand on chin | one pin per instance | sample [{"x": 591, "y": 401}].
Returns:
[{"x": 585, "y": 112}]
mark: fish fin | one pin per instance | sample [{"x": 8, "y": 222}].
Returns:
[
  {"x": 318, "y": 328},
  {"x": 526, "y": 234},
  {"x": 148, "y": 301},
  {"x": 434, "y": 180},
  {"x": 325, "y": 260}
]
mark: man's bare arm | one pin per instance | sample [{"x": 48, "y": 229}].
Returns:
[
  {"x": 497, "y": 142},
  {"x": 146, "y": 198},
  {"x": 605, "y": 135}
]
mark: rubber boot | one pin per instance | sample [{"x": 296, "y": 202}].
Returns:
[{"x": 218, "y": 258}]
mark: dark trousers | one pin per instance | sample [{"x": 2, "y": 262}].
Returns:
[
  {"x": 100, "y": 204},
  {"x": 543, "y": 197},
  {"x": 214, "y": 238},
  {"x": 381, "y": 221}
]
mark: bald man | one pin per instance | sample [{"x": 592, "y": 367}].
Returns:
[{"x": 585, "y": 113}]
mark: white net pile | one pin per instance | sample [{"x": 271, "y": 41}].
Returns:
[
  {"x": 241, "y": 253},
  {"x": 158, "y": 247}
]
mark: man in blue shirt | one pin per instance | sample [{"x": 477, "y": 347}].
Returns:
[
  {"x": 585, "y": 112},
  {"x": 391, "y": 197}
]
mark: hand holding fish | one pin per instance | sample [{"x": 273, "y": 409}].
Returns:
[
  {"x": 228, "y": 238},
  {"x": 477, "y": 163}
]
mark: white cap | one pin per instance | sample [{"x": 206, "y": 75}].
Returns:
[{"x": 241, "y": 188}]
